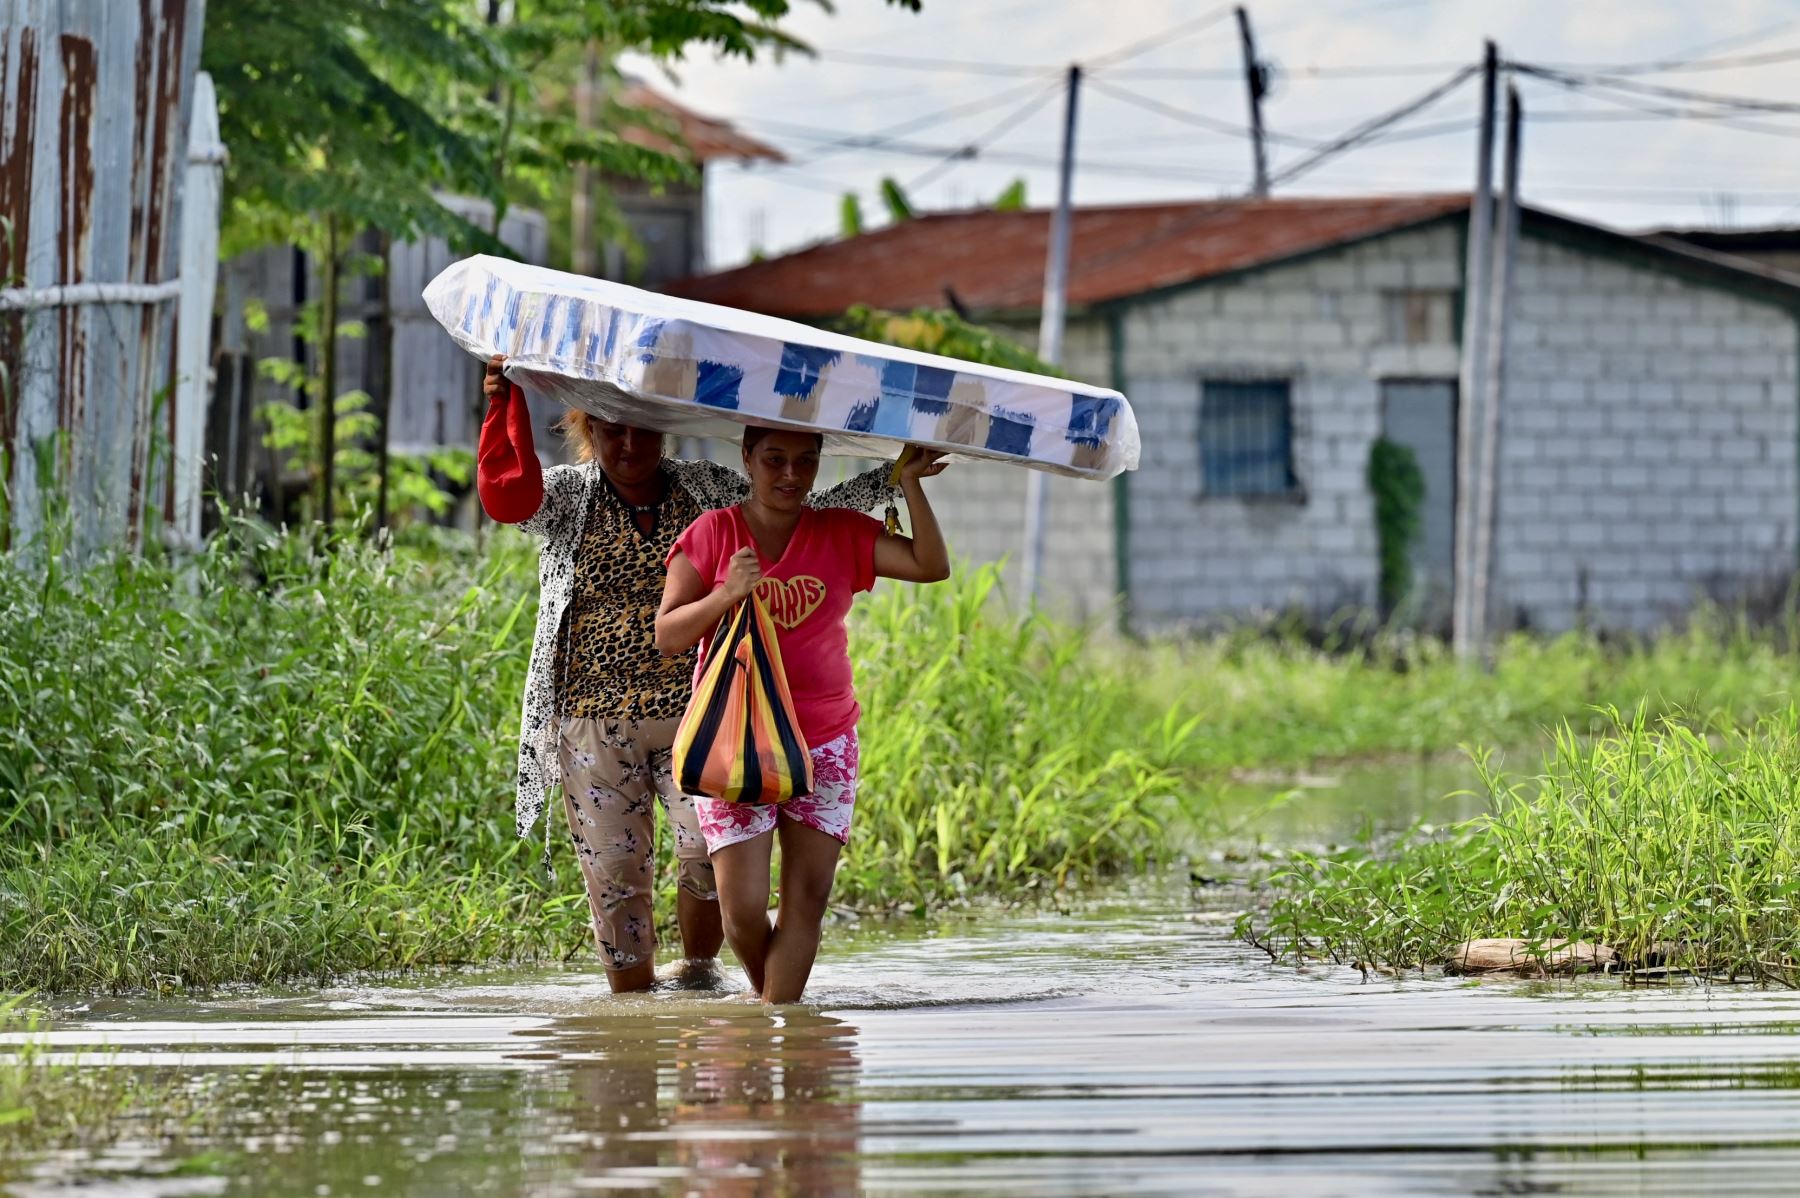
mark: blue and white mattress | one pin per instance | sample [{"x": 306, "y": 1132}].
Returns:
[{"x": 683, "y": 367}]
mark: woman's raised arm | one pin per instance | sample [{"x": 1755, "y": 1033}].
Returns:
[
  {"x": 508, "y": 477},
  {"x": 922, "y": 557}
]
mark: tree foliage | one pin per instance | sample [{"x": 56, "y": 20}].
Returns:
[
  {"x": 367, "y": 108},
  {"x": 357, "y": 114},
  {"x": 934, "y": 331}
]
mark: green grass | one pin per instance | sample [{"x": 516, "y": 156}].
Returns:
[
  {"x": 1273, "y": 698},
  {"x": 269, "y": 764},
  {"x": 1000, "y": 754},
  {"x": 1678, "y": 848}
]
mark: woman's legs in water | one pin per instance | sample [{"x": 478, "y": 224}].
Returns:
[
  {"x": 614, "y": 774},
  {"x": 777, "y": 960},
  {"x": 742, "y": 872},
  {"x": 812, "y": 829},
  {"x": 808, "y": 864}
]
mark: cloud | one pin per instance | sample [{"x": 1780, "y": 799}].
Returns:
[{"x": 1624, "y": 173}]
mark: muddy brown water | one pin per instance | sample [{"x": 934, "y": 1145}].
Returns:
[{"x": 1125, "y": 1047}]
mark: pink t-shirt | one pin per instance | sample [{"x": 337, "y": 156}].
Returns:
[{"x": 808, "y": 592}]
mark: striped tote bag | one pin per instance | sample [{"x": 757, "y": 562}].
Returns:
[{"x": 739, "y": 740}]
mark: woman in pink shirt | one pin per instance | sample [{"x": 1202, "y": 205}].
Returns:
[{"x": 807, "y": 565}]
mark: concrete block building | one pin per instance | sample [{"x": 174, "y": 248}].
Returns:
[{"x": 1648, "y": 453}]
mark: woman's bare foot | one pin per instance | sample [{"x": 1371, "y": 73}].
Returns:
[{"x": 702, "y": 973}]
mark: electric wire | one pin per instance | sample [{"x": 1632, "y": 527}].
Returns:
[
  {"x": 976, "y": 144},
  {"x": 1150, "y": 104},
  {"x": 1368, "y": 129}
]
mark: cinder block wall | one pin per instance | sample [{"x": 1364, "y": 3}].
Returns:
[
  {"x": 1649, "y": 448},
  {"x": 981, "y": 505},
  {"x": 1197, "y": 559}
]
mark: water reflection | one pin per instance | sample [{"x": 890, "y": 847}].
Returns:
[
  {"x": 751, "y": 1103},
  {"x": 1334, "y": 804},
  {"x": 1127, "y": 1049}
]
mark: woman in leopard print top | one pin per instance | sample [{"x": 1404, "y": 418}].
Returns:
[{"x": 598, "y": 694}]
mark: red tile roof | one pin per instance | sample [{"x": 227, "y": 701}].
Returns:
[
  {"x": 706, "y": 138},
  {"x": 994, "y": 261}
]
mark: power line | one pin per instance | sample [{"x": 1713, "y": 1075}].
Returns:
[
  {"x": 1659, "y": 91},
  {"x": 1150, "y": 104},
  {"x": 809, "y": 183},
  {"x": 968, "y": 153},
  {"x": 1729, "y": 117},
  {"x": 1368, "y": 129},
  {"x": 871, "y": 140},
  {"x": 1169, "y": 36},
  {"x": 1360, "y": 10},
  {"x": 977, "y": 143},
  {"x": 1681, "y": 63},
  {"x": 943, "y": 66},
  {"x": 1687, "y": 59},
  {"x": 1766, "y": 58},
  {"x": 1308, "y": 73},
  {"x": 860, "y": 95},
  {"x": 934, "y": 64}
]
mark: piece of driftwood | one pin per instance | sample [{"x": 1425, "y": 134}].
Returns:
[{"x": 1523, "y": 957}]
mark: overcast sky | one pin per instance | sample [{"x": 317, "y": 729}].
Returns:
[{"x": 1642, "y": 171}]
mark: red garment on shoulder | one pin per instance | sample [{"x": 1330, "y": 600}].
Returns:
[{"x": 508, "y": 477}]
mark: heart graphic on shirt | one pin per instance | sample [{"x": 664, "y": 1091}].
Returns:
[{"x": 791, "y": 600}]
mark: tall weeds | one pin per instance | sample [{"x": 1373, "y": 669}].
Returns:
[
  {"x": 1273, "y": 697},
  {"x": 269, "y": 762},
  {"x": 1000, "y": 753},
  {"x": 1677, "y": 847}
]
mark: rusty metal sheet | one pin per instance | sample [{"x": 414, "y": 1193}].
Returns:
[{"x": 94, "y": 98}]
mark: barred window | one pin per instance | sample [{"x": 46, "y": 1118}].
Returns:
[
  {"x": 1246, "y": 438},
  {"x": 1418, "y": 317}
]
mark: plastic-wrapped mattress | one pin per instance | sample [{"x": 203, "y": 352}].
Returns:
[{"x": 684, "y": 367}]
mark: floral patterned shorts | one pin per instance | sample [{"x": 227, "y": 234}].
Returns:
[
  {"x": 826, "y": 809},
  {"x": 614, "y": 772}
]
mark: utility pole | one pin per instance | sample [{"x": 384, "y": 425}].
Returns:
[
  {"x": 1050, "y": 328},
  {"x": 1493, "y": 388},
  {"x": 1476, "y": 288},
  {"x": 582, "y": 258},
  {"x": 1257, "y": 83}
]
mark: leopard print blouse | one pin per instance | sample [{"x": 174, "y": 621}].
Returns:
[
  {"x": 608, "y": 666},
  {"x": 571, "y": 493}
]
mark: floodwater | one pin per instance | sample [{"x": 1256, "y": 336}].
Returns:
[{"x": 1124, "y": 1048}]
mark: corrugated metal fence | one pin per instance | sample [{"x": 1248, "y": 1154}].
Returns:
[{"x": 94, "y": 110}]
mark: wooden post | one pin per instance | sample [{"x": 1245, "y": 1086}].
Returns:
[
  {"x": 328, "y": 319},
  {"x": 582, "y": 257},
  {"x": 1476, "y": 289}
]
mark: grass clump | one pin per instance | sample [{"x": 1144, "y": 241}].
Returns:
[
  {"x": 261, "y": 763},
  {"x": 1678, "y": 848}
]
